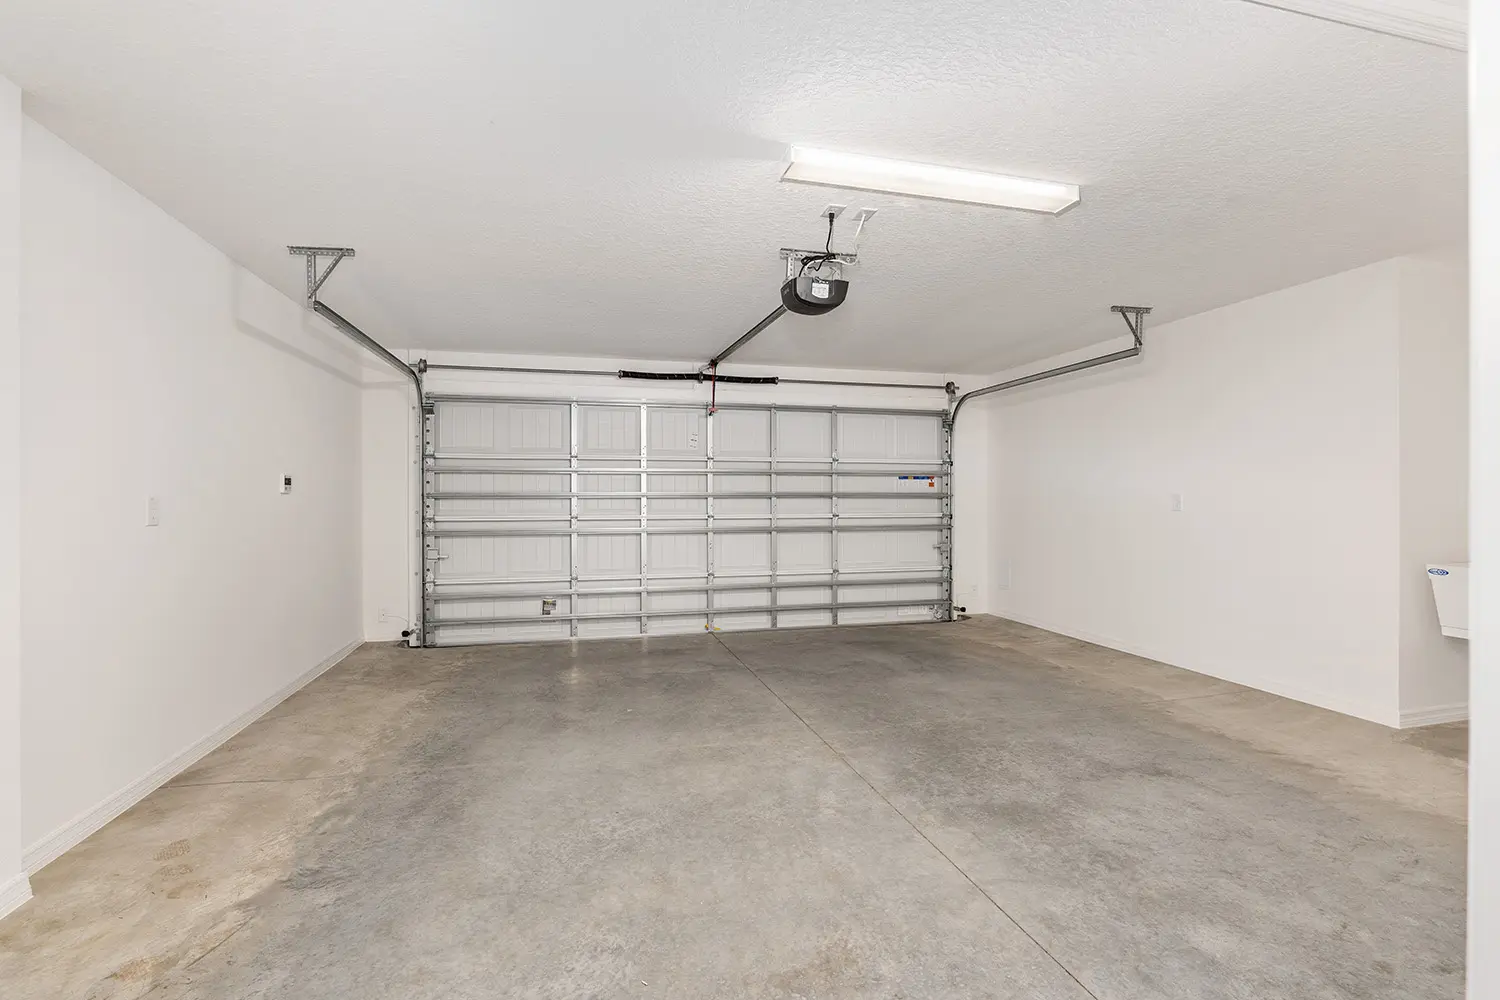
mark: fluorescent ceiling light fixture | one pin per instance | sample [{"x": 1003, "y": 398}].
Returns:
[
  {"x": 1436, "y": 22},
  {"x": 925, "y": 180}
]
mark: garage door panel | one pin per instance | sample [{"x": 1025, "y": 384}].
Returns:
[
  {"x": 883, "y": 437},
  {"x": 792, "y": 484},
  {"x": 472, "y": 635},
  {"x": 804, "y": 552},
  {"x": 607, "y": 555},
  {"x": 503, "y": 429},
  {"x": 608, "y": 523},
  {"x": 758, "y": 508},
  {"x": 742, "y": 554},
  {"x": 603, "y": 604},
  {"x": 750, "y": 515},
  {"x": 596, "y": 482},
  {"x": 743, "y": 622},
  {"x": 694, "y": 601},
  {"x": 805, "y": 595},
  {"x": 803, "y": 436},
  {"x": 733, "y": 507},
  {"x": 751, "y": 597},
  {"x": 676, "y": 433},
  {"x": 473, "y": 509},
  {"x": 887, "y": 592},
  {"x": 675, "y": 625},
  {"x": 742, "y": 434},
  {"x": 792, "y": 508},
  {"x": 895, "y": 550},
  {"x": 803, "y": 619},
  {"x": 523, "y": 557},
  {"x": 677, "y": 554},
  {"x": 855, "y": 615},
  {"x": 518, "y": 607},
  {"x": 685, "y": 483},
  {"x": 609, "y": 628},
  {"x": 895, "y": 505},
  {"x": 609, "y": 431}
]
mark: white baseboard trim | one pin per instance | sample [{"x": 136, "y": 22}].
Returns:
[
  {"x": 1457, "y": 712},
  {"x": 14, "y": 893},
  {"x": 75, "y": 831},
  {"x": 1314, "y": 698}
]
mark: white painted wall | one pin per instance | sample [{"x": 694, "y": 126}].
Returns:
[
  {"x": 1484, "y": 524},
  {"x": 14, "y": 886},
  {"x": 1434, "y": 409},
  {"x": 1276, "y": 420},
  {"x": 389, "y": 550},
  {"x": 388, "y": 485},
  {"x": 153, "y": 365}
]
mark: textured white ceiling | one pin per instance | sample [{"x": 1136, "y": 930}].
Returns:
[{"x": 601, "y": 177}]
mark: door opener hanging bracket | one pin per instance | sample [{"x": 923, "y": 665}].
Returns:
[
  {"x": 314, "y": 279},
  {"x": 796, "y": 258},
  {"x": 1135, "y": 318}
]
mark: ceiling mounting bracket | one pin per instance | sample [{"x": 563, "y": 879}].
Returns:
[
  {"x": 1135, "y": 318},
  {"x": 314, "y": 279},
  {"x": 796, "y": 258}
]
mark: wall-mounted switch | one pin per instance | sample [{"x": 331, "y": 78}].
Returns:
[
  {"x": 153, "y": 512},
  {"x": 286, "y": 484}
]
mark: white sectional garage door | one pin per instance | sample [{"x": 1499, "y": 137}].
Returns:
[{"x": 551, "y": 520}]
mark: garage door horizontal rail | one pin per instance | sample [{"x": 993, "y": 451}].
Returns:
[
  {"x": 607, "y": 518},
  {"x": 891, "y": 469},
  {"x": 914, "y": 581},
  {"x": 702, "y": 407},
  {"x": 686, "y": 612},
  {"x": 717, "y": 495},
  {"x": 803, "y": 578},
  {"x": 784, "y": 467},
  {"x": 684, "y": 530}
]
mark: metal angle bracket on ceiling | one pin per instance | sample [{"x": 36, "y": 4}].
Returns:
[
  {"x": 795, "y": 258},
  {"x": 314, "y": 279},
  {"x": 1135, "y": 318}
]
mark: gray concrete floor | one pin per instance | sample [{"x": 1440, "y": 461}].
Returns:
[{"x": 969, "y": 810}]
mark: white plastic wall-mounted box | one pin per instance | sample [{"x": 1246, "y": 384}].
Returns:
[{"x": 1450, "y": 589}]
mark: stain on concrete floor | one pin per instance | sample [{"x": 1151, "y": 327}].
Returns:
[{"x": 979, "y": 810}]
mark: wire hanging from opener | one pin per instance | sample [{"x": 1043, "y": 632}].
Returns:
[{"x": 827, "y": 254}]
